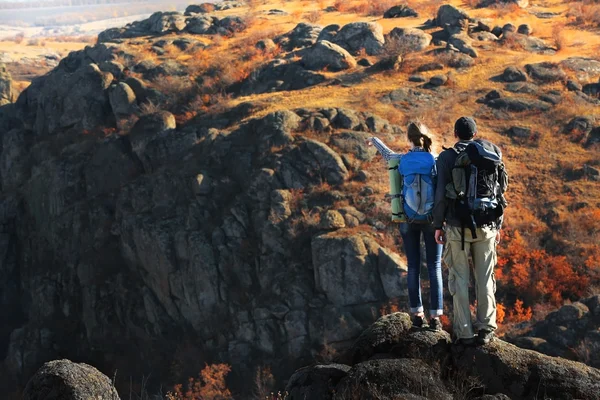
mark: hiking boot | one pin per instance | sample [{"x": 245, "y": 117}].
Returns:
[
  {"x": 485, "y": 336},
  {"x": 419, "y": 321},
  {"x": 435, "y": 324}
]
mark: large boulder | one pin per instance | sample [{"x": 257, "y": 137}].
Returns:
[
  {"x": 357, "y": 36},
  {"x": 122, "y": 99},
  {"x": 505, "y": 368},
  {"x": 408, "y": 40},
  {"x": 546, "y": 72},
  {"x": 202, "y": 24},
  {"x": 400, "y": 11},
  {"x": 6, "y": 86},
  {"x": 276, "y": 129},
  {"x": 448, "y": 15},
  {"x": 65, "y": 380},
  {"x": 514, "y": 74},
  {"x": 203, "y": 8},
  {"x": 400, "y": 378},
  {"x": 462, "y": 43},
  {"x": 164, "y": 22},
  {"x": 230, "y": 25},
  {"x": 316, "y": 382},
  {"x": 303, "y": 35},
  {"x": 584, "y": 67},
  {"x": 326, "y": 55}
]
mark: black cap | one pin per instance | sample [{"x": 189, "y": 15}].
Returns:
[{"x": 465, "y": 128}]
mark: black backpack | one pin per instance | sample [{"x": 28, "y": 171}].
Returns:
[{"x": 479, "y": 180}]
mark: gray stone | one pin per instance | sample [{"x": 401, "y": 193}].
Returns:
[
  {"x": 571, "y": 312},
  {"x": 356, "y": 36},
  {"x": 346, "y": 119},
  {"x": 333, "y": 169},
  {"x": 65, "y": 380},
  {"x": 354, "y": 143},
  {"x": 518, "y": 105},
  {"x": 484, "y": 36},
  {"x": 122, "y": 99},
  {"x": 266, "y": 45},
  {"x": 508, "y": 28},
  {"x": 585, "y": 68},
  {"x": 525, "y": 29},
  {"x": 203, "y": 8},
  {"x": 400, "y": 11},
  {"x": 450, "y": 15},
  {"x": 316, "y": 382},
  {"x": 331, "y": 220},
  {"x": 514, "y": 74},
  {"x": 303, "y": 35},
  {"x": 400, "y": 378},
  {"x": 329, "y": 32},
  {"x": 438, "y": 80},
  {"x": 463, "y": 43},
  {"x": 163, "y": 22},
  {"x": 231, "y": 24},
  {"x": 417, "y": 78},
  {"x": 200, "y": 25},
  {"x": 545, "y": 72},
  {"x": 407, "y": 40},
  {"x": 328, "y": 55},
  {"x": 592, "y": 90}
]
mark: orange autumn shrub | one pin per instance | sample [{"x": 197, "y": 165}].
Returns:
[
  {"x": 210, "y": 385},
  {"x": 500, "y": 313},
  {"x": 535, "y": 275},
  {"x": 520, "y": 313}
]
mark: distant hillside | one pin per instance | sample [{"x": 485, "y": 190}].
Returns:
[{"x": 10, "y": 5}]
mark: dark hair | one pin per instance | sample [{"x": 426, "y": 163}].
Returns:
[
  {"x": 465, "y": 128},
  {"x": 417, "y": 134}
]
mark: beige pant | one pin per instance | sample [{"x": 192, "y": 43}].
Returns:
[{"x": 483, "y": 253}]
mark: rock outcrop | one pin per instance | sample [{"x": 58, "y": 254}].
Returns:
[
  {"x": 163, "y": 23},
  {"x": 571, "y": 332},
  {"x": 65, "y": 380},
  {"x": 135, "y": 237},
  {"x": 6, "y": 86},
  {"x": 392, "y": 360}
]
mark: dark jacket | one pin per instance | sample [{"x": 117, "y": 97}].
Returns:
[
  {"x": 442, "y": 212},
  {"x": 445, "y": 161}
]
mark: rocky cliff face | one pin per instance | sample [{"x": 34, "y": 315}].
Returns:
[{"x": 173, "y": 242}]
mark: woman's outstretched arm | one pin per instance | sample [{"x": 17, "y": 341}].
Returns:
[{"x": 385, "y": 151}]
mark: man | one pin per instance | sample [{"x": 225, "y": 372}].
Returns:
[{"x": 478, "y": 241}]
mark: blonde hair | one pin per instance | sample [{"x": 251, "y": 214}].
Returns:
[{"x": 418, "y": 134}]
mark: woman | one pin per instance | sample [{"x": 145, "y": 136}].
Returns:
[{"x": 411, "y": 237}]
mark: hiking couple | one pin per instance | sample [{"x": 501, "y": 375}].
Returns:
[{"x": 456, "y": 203}]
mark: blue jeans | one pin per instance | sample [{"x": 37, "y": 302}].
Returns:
[{"x": 411, "y": 236}]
